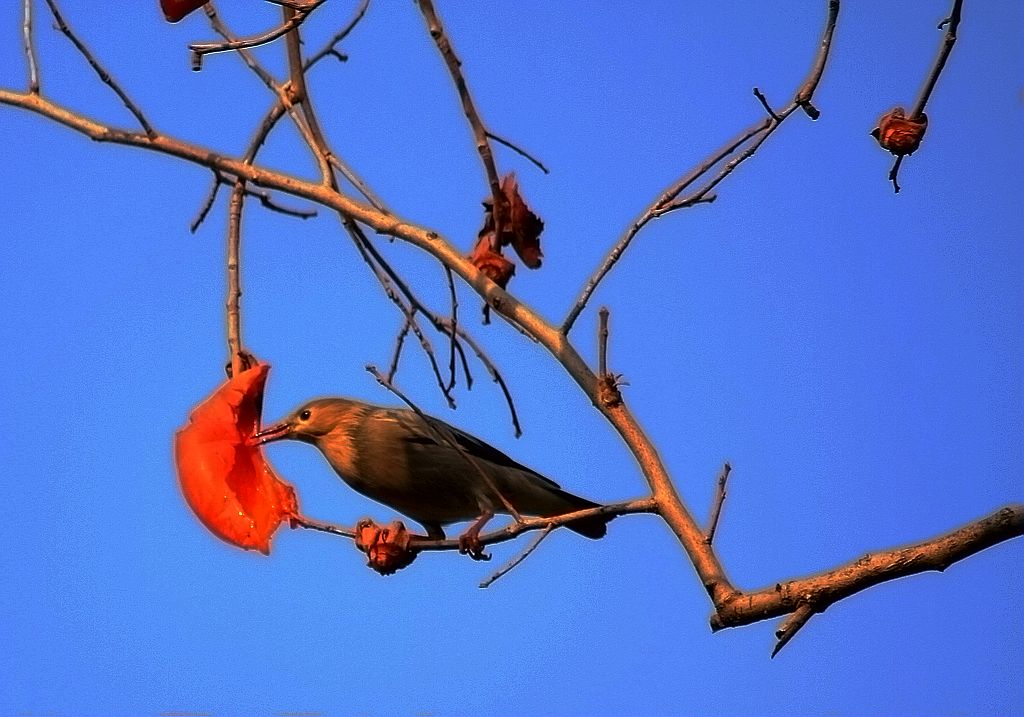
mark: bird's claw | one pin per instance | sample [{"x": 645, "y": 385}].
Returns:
[{"x": 469, "y": 544}]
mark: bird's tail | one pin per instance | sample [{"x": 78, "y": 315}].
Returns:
[{"x": 593, "y": 527}]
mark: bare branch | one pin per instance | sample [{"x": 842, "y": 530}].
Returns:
[
  {"x": 716, "y": 510},
  {"x": 329, "y": 50},
  {"x": 234, "y": 322},
  {"x": 608, "y": 383},
  {"x": 384, "y": 275},
  {"x": 951, "y": 24},
  {"x": 509, "y": 566},
  {"x": 666, "y": 202},
  {"x": 764, "y": 103},
  {"x": 30, "y": 48},
  {"x": 299, "y": 13},
  {"x": 286, "y": 99},
  {"x": 602, "y": 342},
  {"x": 397, "y": 353},
  {"x": 501, "y": 535},
  {"x": 791, "y": 626},
  {"x": 454, "y": 333},
  {"x": 104, "y": 76},
  {"x": 820, "y": 591},
  {"x": 207, "y": 205},
  {"x": 519, "y": 150},
  {"x": 483, "y": 147}
]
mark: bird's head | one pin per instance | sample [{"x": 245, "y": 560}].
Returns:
[{"x": 309, "y": 422}]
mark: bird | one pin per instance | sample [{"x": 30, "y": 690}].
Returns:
[{"x": 426, "y": 469}]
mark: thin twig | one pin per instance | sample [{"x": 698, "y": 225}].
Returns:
[
  {"x": 286, "y": 102},
  {"x": 453, "y": 335},
  {"x": 951, "y": 24},
  {"x": 30, "y": 48},
  {"x": 298, "y": 16},
  {"x": 329, "y": 50},
  {"x": 510, "y": 565},
  {"x": 602, "y": 342},
  {"x": 268, "y": 202},
  {"x": 449, "y": 328},
  {"x": 104, "y": 76},
  {"x": 949, "y": 39},
  {"x": 791, "y": 626},
  {"x": 234, "y": 319},
  {"x": 716, "y": 509},
  {"x": 483, "y": 147},
  {"x": 764, "y": 103},
  {"x": 370, "y": 256},
  {"x": 211, "y": 197},
  {"x": 518, "y": 150},
  {"x": 894, "y": 173},
  {"x": 302, "y": 521},
  {"x": 501, "y": 535},
  {"x": 397, "y": 353},
  {"x": 358, "y": 182},
  {"x": 666, "y": 201},
  {"x": 496, "y": 377}
]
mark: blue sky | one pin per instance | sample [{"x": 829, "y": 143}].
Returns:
[{"x": 857, "y": 355}]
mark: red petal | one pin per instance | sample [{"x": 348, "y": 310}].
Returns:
[
  {"x": 228, "y": 484},
  {"x": 174, "y": 10}
]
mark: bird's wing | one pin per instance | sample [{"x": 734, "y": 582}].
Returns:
[{"x": 418, "y": 433}]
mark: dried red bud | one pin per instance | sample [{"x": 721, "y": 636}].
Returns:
[
  {"x": 900, "y": 134},
  {"x": 524, "y": 227},
  {"x": 520, "y": 228},
  {"x": 387, "y": 549},
  {"x": 495, "y": 266}
]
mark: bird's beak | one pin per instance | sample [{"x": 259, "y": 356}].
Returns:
[{"x": 274, "y": 433}]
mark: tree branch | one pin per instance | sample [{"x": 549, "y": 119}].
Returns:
[
  {"x": 104, "y": 76},
  {"x": 951, "y": 24},
  {"x": 480, "y": 134},
  {"x": 234, "y": 321},
  {"x": 716, "y": 510},
  {"x": 30, "y": 48},
  {"x": 667, "y": 202},
  {"x": 818, "y": 592},
  {"x": 501, "y": 535}
]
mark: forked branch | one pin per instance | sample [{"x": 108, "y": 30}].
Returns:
[{"x": 752, "y": 138}]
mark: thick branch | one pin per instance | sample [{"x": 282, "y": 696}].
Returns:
[{"x": 818, "y": 592}]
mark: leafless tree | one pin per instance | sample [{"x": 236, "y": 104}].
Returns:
[{"x": 365, "y": 216}]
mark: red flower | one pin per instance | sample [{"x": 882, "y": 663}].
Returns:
[{"x": 228, "y": 483}]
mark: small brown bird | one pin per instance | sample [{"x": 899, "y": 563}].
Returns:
[{"x": 422, "y": 467}]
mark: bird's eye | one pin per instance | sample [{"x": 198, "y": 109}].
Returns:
[{"x": 304, "y": 416}]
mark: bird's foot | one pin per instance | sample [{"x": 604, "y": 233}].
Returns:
[
  {"x": 469, "y": 544},
  {"x": 387, "y": 548}
]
